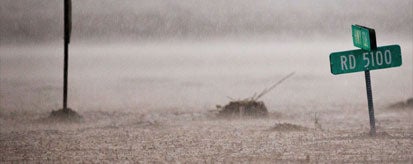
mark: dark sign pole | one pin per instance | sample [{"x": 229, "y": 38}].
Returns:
[
  {"x": 370, "y": 103},
  {"x": 67, "y": 32},
  {"x": 373, "y": 46}
]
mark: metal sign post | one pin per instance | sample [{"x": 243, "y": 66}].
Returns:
[
  {"x": 370, "y": 103},
  {"x": 67, "y": 32},
  {"x": 369, "y": 57},
  {"x": 368, "y": 42},
  {"x": 66, "y": 113}
]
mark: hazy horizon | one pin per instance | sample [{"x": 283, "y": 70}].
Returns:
[{"x": 113, "y": 20}]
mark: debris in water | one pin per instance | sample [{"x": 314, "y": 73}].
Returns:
[
  {"x": 288, "y": 127},
  {"x": 244, "y": 108},
  {"x": 403, "y": 104},
  {"x": 65, "y": 115},
  {"x": 249, "y": 106}
]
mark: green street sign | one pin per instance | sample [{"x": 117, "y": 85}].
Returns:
[
  {"x": 363, "y": 37},
  {"x": 369, "y": 57},
  {"x": 362, "y": 60}
]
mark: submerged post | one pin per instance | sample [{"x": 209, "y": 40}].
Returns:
[
  {"x": 67, "y": 32},
  {"x": 367, "y": 41},
  {"x": 370, "y": 103}
]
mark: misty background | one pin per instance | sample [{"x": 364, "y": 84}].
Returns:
[
  {"x": 191, "y": 54},
  {"x": 119, "y": 20}
]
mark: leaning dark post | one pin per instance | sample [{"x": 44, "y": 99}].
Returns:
[
  {"x": 67, "y": 32},
  {"x": 370, "y": 103},
  {"x": 373, "y": 46}
]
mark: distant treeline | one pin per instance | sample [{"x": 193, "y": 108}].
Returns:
[{"x": 42, "y": 20}]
